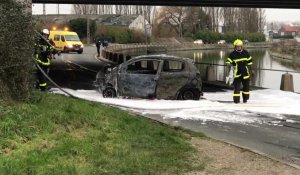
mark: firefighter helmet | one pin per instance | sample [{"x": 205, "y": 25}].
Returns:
[
  {"x": 45, "y": 31},
  {"x": 238, "y": 42}
]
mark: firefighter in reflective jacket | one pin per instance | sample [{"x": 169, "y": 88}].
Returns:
[
  {"x": 242, "y": 61},
  {"x": 43, "y": 53}
]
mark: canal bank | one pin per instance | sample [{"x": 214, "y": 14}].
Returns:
[{"x": 287, "y": 57}]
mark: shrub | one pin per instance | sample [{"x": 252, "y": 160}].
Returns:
[
  {"x": 80, "y": 27},
  {"x": 229, "y": 37},
  {"x": 119, "y": 34},
  {"x": 16, "y": 48}
]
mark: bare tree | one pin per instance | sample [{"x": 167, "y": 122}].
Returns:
[
  {"x": 175, "y": 17},
  {"x": 85, "y": 9},
  {"x": 215, "y": 16},
  {"x": 261, "y": 19},
  {"x": 229, "y": 16},
  {"x": 243, "y": 19}
]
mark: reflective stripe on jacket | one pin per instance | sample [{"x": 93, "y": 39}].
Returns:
[
  {"x": 241, "y": 60},
  {"x": 42, "y": 51}
]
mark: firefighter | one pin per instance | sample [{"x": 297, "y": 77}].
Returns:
[
  {"x": 43, "y": 53},
  {"x": 98, "y": 45},
  {"x": 242, "y": 61}
]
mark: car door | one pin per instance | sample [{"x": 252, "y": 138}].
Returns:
[
  {"x": 173, "y": 76},
  {"x": 139, "y": 79}
]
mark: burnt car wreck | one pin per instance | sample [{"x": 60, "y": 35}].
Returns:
[{"x": 152, "y": 76}]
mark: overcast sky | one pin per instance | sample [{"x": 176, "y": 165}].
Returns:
[{"x": 282, "y": 15}]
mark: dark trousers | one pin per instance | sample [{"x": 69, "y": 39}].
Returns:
[
  {"x": 41, "y": 79},
  {"x": 237, "y": 88},
  {"x": 98, "y": 51}
]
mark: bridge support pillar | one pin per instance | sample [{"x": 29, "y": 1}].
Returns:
[
  {"x": 211, "y": 74},
  {"x": 287, "y": 83}
]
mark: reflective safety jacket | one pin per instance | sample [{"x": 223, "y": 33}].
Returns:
[
  {"x": 241, "y": 60},
  {"x": 42, "y": 52}
]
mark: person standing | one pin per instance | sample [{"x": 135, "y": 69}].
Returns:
[
  {"x": 98, "y": 45},
  {"x": 242, "y": 61},
  {"x": 43, "y": 53}
]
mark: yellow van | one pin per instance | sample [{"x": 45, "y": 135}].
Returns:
[{"x": 66, "y": 41}]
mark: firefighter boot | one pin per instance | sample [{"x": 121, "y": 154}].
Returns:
[
  {"x": 245, "y": 97},
  {"x": 236, "y": 99}
]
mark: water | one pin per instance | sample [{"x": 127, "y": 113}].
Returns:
[{"x": 261, "y": 60}]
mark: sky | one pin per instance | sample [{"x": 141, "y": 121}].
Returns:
[
  {"x": 264, "y": 106},
  {"x": 280, "y": 15}
]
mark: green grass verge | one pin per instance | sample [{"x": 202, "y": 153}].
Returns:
[{"x": 58, "y": 135}]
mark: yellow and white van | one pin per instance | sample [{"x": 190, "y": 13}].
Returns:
[{"x": 66, "y": 41}]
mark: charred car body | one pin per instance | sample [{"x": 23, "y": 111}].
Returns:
[{"x": 152, "y": 76}]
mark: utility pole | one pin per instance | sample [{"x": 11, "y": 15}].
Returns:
[
  {"x": 88, "y": 30},
  {"x": 44, "y": 9},
  {"x": 58, "y": 9}
]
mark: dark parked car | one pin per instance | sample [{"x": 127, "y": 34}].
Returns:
[{"x": 152, "y": 76}]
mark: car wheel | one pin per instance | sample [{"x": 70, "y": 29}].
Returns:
[
  {"x": 109, "y": 93},
  {"x": 80, "y": 52},
  {"x": 190, "y": 94}
]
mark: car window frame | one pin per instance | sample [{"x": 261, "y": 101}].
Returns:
[
  {"x": 140, "y": 60},
  {"x": 174, "y": 70}
]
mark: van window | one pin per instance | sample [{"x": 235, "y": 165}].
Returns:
[
  {"x": 72, "y": 38},
  {"x": 63, "y": 38},
  {"x": 56, "y": 37}
]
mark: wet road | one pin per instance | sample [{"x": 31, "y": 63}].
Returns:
[
  {"x": 279, "y": 140},
  {"x": 76, "y": 71}
]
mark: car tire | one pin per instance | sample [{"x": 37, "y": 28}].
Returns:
[
  {"x": 189, "y": 94},
  {"x": 109, "y": 93},
  {"x": 80, "y": 52}
]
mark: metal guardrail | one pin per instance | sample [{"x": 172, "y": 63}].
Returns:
[{"x": 276, "y": 70}]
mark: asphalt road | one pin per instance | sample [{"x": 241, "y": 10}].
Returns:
[
  {"x": 76, "y": 71},
  {"x": 280, "y": 140}
]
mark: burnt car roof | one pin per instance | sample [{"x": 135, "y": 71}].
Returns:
[{"x": 161, "y": 57}]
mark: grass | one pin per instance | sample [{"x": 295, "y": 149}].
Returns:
[{"x": 56, "y": 135}]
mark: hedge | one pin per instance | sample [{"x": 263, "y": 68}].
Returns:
[
  {"x": 229, "y": 37},
  {"x": 16, "y": 47}
]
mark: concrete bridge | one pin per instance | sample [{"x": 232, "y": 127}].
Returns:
[{"x": 205, "y": 3}]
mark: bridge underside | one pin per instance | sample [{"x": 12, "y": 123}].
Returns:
[{"x": 205, "y": 3}]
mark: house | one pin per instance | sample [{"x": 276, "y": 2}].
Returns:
[
  {"x": 289, "y": 30},
  {"x": 134, "y": 22}
]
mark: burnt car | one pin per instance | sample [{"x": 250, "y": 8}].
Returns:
[{"x": 152, "y": 76}]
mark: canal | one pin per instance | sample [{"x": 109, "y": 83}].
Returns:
[{"x": 261, "y": 60}]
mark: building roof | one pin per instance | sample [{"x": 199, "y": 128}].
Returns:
[
  {"x": 119, "y": 20},
  {"x": 290, "y": 28}
]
